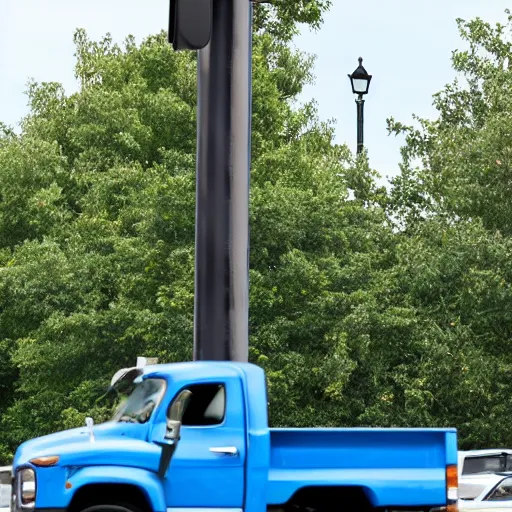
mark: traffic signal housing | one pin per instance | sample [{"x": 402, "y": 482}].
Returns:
[{"x": 190, "y": 24}]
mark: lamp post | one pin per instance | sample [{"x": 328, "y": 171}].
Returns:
[{"x": 360, "y": 81}]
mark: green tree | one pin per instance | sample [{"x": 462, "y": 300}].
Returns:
[
  {"x": 451, "y": 203},
  {"x": 281, "y": 18},
  {"x": 357, "y": 320},
  {"x": 102, "y": 270},
  {"x": 458, "y": 165},
  {"x": 439, "y": 323}
]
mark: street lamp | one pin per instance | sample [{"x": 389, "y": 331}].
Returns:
[{"x": 360, "y": 81}]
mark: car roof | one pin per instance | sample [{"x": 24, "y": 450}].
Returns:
[{"x": 489, "y": 451}]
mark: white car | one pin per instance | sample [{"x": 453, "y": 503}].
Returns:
[
  {"x": 5, "y": 488},
  {"x": 496, "y": 495},
  {"x": 477, "y": 468}
]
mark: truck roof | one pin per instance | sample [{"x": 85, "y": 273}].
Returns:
[
  {"x": 190, "y": 366},
  {"x": 250, "y": 373}
]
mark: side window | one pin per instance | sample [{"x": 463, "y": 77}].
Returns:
[
  {"x": 503, "y": 491},
  {"x": 206, "y": 406}
]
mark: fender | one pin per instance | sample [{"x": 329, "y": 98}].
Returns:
[{"x": 145, "y": 480}]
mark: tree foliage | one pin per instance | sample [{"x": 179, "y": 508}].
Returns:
[
  {"x": 98, "y": 231},
  {"x": 458, "y": 165},
  {"x": 366, "y": 308},
  {"x": 452, "y": 201},
  {"x": 281, "y": 18}
]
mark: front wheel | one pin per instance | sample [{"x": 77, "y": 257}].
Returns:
[{"x": 117, "y": 507}]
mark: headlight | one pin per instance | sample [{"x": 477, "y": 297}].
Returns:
[
  {"x": 46, "y": 461},
  {"x": 27, "y": 487}
]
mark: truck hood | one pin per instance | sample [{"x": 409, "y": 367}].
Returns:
[{"x": 114, "y": 443}]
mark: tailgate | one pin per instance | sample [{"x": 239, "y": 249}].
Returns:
[{"x": 396, "y": 467}]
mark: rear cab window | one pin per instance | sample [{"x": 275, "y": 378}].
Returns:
[{"x": 482, "y": 464}]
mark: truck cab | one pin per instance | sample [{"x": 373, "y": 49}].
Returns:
[{"x": 194, "y": 437}]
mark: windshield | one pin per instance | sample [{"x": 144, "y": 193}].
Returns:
[
  {"x": 503, "y": 491},
  {"x": 140, "y": 401}
]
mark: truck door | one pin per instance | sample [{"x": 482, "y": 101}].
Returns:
[{"x": 208, "y": 468}]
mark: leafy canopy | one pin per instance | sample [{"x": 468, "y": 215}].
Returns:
[
  {"x": 97, "y": 233},
  {"x": 366, "y": 308}
]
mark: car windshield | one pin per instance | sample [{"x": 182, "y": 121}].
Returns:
[
  {"x": 503, "y": 492},
  {"x": 140, "y": 401}
]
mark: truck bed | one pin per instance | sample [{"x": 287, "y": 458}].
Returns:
[{"x": 400, "y": 467}]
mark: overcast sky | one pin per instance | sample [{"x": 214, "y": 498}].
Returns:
[{"x": 406, "y": 46}]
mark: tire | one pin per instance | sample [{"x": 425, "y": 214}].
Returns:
[{"x": 121, "y": 507}]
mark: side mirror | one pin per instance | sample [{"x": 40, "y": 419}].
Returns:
[
  {"x": 130, "y": 374},
  {"x": 172, "y": 430},
  {"x": 127, "y": 374},
  {"x": 179, "y": 405}
]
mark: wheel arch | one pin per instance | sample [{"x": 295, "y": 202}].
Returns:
[
  {"x": 125, "y": 495},
  {"x": 109, "y": 485},
  {"x": 322, "y": 497}
]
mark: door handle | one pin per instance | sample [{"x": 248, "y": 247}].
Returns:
[{"x": 224, "y": 450}]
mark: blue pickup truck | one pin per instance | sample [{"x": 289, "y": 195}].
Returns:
[{"x": 194, "y": 437}]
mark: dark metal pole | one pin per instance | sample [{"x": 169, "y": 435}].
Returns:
[
  {"x": 360, "y": 123},
  {"x": 221, "y": 314}
]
